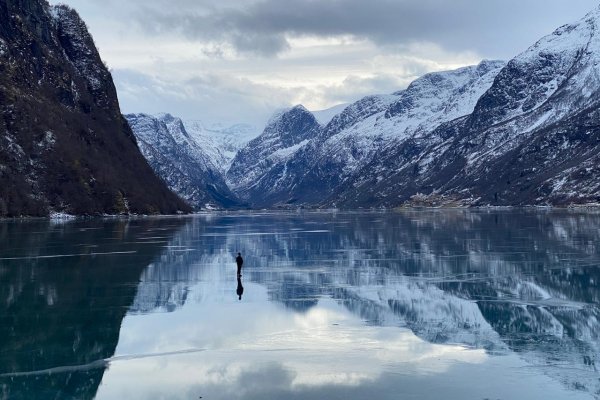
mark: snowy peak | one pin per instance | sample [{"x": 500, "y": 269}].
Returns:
[
  {"x": 358, "y": 111},
  {"x": 563, "y": 64},
  {"x": 289, "y": 127},
  {"x": 440, "y": 92},
  {"x": 287, "y": 132},
  {"x": 176, "y": 128},
  {"x": 188, "y": 167}
]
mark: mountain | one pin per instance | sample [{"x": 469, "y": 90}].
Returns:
[
  {"x": 258, "y": 166},
  {"x": 191, "y": 166},
  {"x": 362, "y": 132},
  {"x": 526, "y": 132},
  {"x": 223, "y": 141},
  {"x": 64, "y": 145},
  {"x": 532, "y": 139}
]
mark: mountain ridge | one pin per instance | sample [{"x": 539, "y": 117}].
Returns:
[{"x": 517, "y": 133}]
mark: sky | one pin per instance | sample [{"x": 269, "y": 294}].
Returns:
[{"x": 238, "y": 61}]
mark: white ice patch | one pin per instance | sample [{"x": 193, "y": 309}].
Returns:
[{"x": 61, "y": 216}]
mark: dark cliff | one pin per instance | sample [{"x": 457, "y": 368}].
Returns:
[{"x": 64, "y": 145}]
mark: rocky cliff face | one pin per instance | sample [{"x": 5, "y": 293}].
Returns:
[
  {"x": 64, "y": 145},
  {"x": 259, "y": 168}
]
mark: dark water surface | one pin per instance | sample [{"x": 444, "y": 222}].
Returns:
[{"x": 410, "y": 305}]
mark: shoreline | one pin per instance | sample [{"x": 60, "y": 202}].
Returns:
[{"x": 63, "y": 217}]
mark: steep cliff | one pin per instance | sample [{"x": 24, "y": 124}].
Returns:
[{"x": 64, "y": 145}]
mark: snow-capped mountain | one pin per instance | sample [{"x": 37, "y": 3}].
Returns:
[
  {"x": 221, "y": 141},
  {"x": 533, "y": 137},
  {"x": 518, "y": 133},
  {"x": 286, "y": 133},
  {"x": 361, "y": 132},
  {"x": 191, "y": 167}
]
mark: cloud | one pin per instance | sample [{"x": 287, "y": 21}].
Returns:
[
  {"x": 264, "y": 27},
  {"x": 239, "y": 60},
  {"x": 216, "y": 98}
]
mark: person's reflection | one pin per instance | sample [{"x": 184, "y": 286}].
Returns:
[{"x": 240, "y": 288}]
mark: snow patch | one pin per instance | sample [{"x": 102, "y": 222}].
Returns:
[
  {"x": 3, "y": 47},
  {"x": 58, "y": 216},
  {"x": 325, "y": 116}
]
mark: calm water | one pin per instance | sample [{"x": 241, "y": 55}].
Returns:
[{"x": 410, "y": 305}]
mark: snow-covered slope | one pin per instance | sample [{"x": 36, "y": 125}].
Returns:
[
  {"x": 325, "y": 116},
  {"x": 365, "y": 129},
  {"x": 221, "y": 141},
  {"x": 533, "y": 138},
  {"x": 286, "y": 133},
  {"x": 190, "y": 168},
  {"x": 562, "y": 65}
]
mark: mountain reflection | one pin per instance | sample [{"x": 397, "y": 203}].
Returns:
[
  {"x": 518, "y": 281},
  {"x": 64, "y": 291}
]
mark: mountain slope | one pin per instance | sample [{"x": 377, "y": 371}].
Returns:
[
  {"x": 533, "y": 137},
  {"x": 182, "y": 162},
  {"x": 221, "y": 141},
  {"x": 286, "y": 133},
  {"x": 64, "y": 145},
  {"x": 366, "y": 129}
]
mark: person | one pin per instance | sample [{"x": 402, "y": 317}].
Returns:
[
  {"x": 240, "y": 288},
  {"x": 239, "y": 261}
]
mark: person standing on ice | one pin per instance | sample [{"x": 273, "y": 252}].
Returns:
[{"x": 239, "y": 261}]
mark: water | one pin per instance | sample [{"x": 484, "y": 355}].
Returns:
[{"x": 410, "y": 305}]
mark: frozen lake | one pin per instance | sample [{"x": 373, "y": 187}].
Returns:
[{"x": 449, "y": 304}]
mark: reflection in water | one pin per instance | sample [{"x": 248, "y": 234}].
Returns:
[
  {"x": 58, "y": 312},
  {"x": 240, "y": 289},
  {"x": 382, "y": 301},
  {"x": 518, "y": 282}
]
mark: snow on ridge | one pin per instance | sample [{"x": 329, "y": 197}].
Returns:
[
  {"x": 326, "y": 115},
  {"x": 416, "y": 111},
  {"x": 218, "y": 144},
  {"x": 565, "y": 64}
]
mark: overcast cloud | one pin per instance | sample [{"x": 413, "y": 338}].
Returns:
[{"x": 238, "y": 60}]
